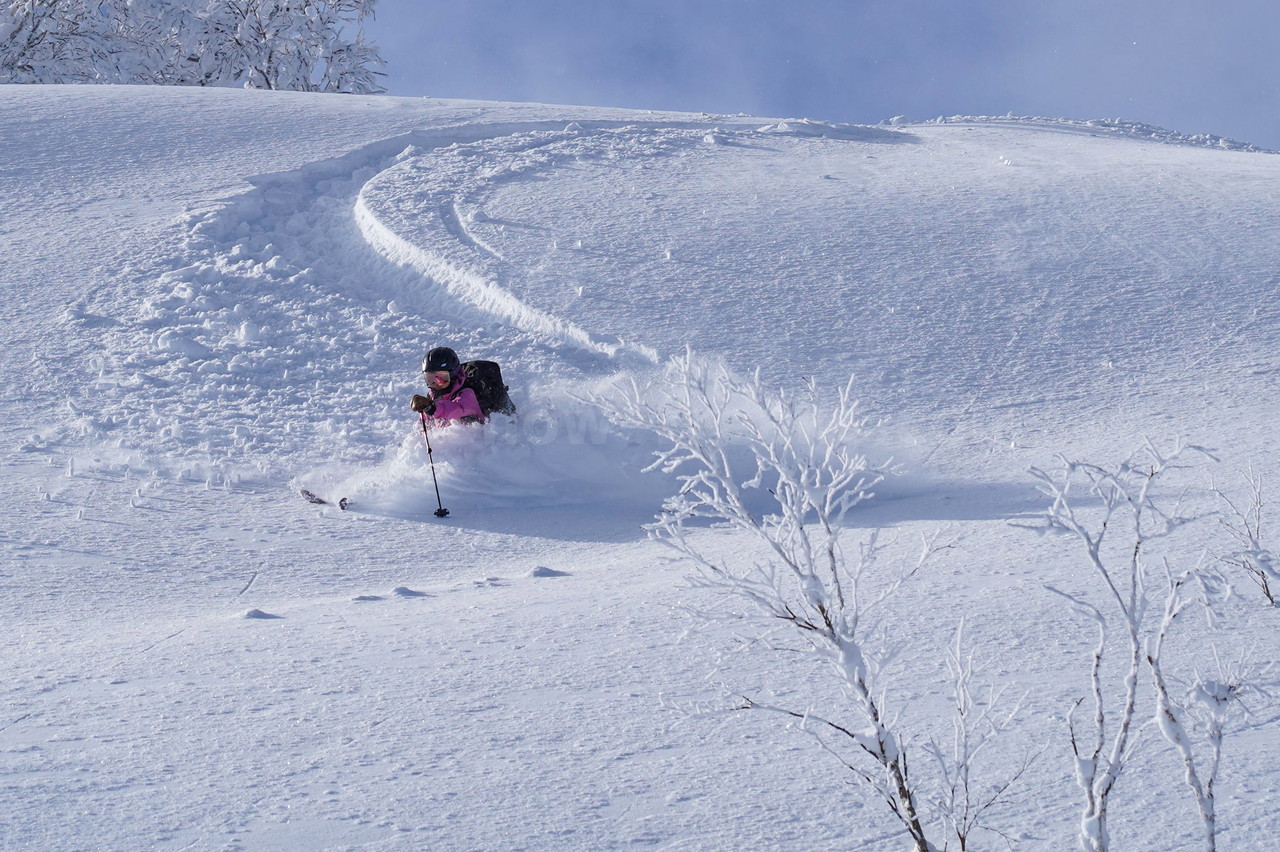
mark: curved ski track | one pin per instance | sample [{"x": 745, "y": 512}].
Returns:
[{"x": 301, "y": 298}]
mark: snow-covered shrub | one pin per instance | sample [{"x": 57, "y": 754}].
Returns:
[
  {"x": 788, "y": 470},
  {"x": 1244, "y": 523},
  {"x": 1122, "y": 516},
  {"x": 300, "y": 45},
  {"x": 961, "y": 802}
]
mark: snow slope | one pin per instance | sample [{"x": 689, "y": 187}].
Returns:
[{"x": 213, "y": 297}]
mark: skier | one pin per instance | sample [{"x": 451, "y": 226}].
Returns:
[{"x": 449, "y": 398}]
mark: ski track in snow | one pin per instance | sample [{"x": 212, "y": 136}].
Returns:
[
  {"x": 294, "y": 310},
  {"x": 202, "y": 660},
  {"x": 306, "y": 298}
]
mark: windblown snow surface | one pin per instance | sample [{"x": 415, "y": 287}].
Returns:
[{"x": 213, "y": 298}]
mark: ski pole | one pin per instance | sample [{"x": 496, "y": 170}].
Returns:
[{"x": 441, "y": 511}]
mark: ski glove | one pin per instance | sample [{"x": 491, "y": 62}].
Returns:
[{"x": 423, "y": 404}]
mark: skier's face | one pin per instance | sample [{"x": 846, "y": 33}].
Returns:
[{"x": 438, "y": 380}]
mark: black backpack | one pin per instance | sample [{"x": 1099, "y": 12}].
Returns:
[{"x": 485, "y": 378}]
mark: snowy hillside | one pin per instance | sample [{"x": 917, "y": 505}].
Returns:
[{"x": 213, "y": 298}]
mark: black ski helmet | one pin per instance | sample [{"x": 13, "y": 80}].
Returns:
[{"x": 440, "y": 358}]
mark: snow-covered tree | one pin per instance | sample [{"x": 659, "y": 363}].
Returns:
[
  {"x": 299, "y": 45},
  {"x": 152, "y": 41},
  {"x": 51, "y": 41},
  {"x": 788, "y": 470}
]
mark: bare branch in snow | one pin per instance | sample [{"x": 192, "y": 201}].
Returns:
[
  {"x": 788, "y": 471},
  {"x": 1118, "y": 514},
  {"x": 1244, "y": 523}
]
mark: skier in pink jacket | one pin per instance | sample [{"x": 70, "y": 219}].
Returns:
[{"x": 447, "y": 398}]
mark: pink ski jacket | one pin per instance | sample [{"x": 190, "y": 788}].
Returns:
[{"x": 456, "y": 402}]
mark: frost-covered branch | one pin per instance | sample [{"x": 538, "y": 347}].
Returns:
[
  {"x": 43, "y": 41},
  {"x": 788, "y": 471},
  {"x": 1244, "y": 523},
  {"x": 1172, "y": 717},
  {"x": 301, "y": 45},
  {"x": 977, "y": 722},
  {"x": 1117, "y": 514}
]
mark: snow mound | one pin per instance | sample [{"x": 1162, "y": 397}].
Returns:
[
  {"x": 808, "y": 127},
  {"x": 259, "y": 615},
  {"x": 544, "y": 571},
  {"x": 1109, "y": 126}
]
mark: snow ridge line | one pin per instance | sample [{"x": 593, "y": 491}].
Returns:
[{"x": 443, "y": 136}]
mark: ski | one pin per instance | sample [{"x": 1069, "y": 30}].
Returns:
[{"x": 312, "y": 497}]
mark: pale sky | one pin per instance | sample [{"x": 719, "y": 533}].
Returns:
[{"x": 1189, "y": 65}]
